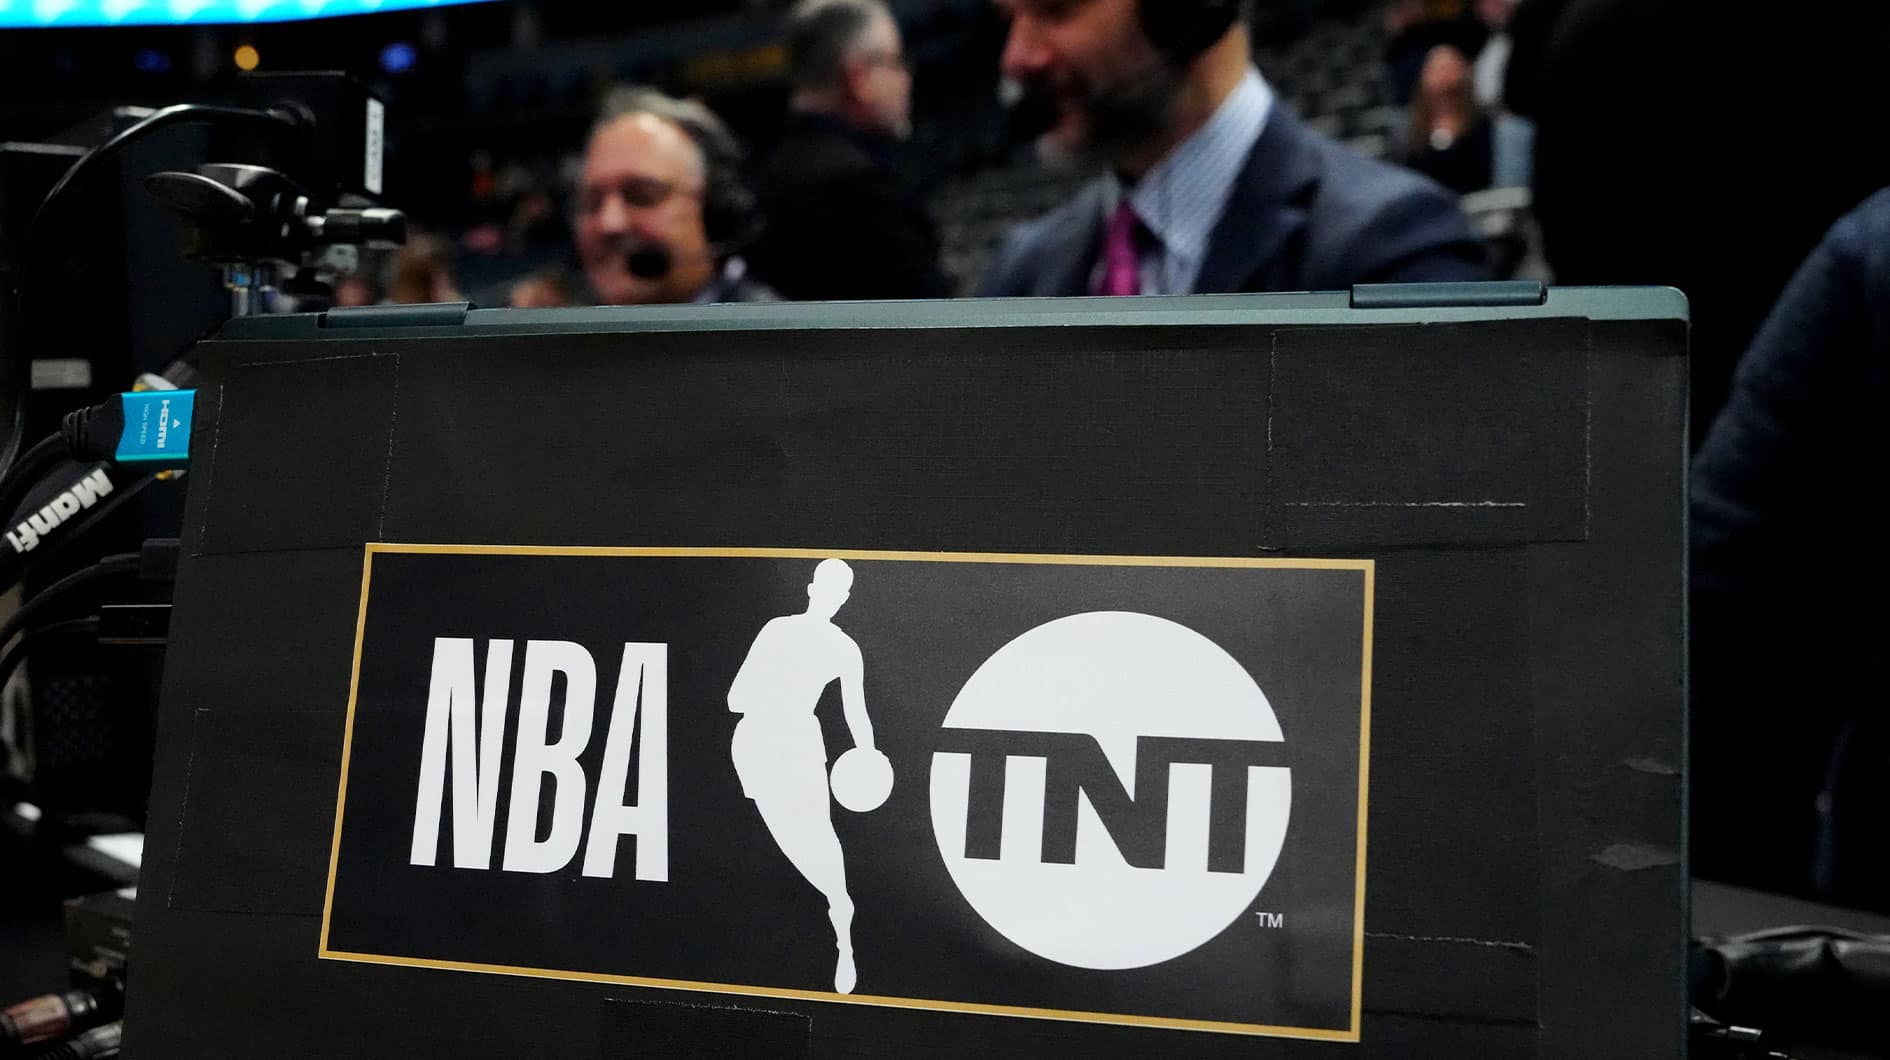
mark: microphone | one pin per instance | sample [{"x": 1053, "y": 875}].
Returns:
[
  {"x": 649, "y": 261},
  {"x": 653, "y": 261}
]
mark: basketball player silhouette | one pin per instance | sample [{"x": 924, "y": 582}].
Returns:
[{"x": 778, "y": 751}]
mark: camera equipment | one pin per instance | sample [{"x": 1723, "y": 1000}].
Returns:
[
  {"x": 276, "y": 187},
  {"x": 255, "y": 223},
  {"x": 98, "y": 285}
]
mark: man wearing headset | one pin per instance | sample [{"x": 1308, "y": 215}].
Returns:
[
  {"x": 1212, "y": 185},
  {"x": 661, "y": 210}
]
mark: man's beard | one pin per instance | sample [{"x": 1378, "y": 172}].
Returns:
[{"x": 1117, "y": 118}]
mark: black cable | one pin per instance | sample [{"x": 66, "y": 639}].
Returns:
[
  {"x": 18, "y": 480},
  {"x": 101, "y": 433},
  {"x": 101, "y": 511},
  {"x": 110, "y": 566},
  {"x": 99, "y": 1043},
  {"x": 176, "y": 114},
  {"x": 18, "y": 361},
  {"x": 11, "y": 659}
]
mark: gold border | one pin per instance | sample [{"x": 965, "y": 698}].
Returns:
[
  {"x": 1369, "y": 567},
  {"x": 1364, "y": 769},
  {"x": 347, "y": 745}
]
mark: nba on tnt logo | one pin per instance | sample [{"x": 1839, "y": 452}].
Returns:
[{"x": 1110, "y": 790}]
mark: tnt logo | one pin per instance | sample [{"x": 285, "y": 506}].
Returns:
[{"x": 1110, "y": 790}]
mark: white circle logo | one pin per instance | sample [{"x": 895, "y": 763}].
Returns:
[{"x": 1110, "y": 790}]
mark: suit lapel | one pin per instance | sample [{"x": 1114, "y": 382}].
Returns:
[
  {"x": 1264, "y": 210},
  {"x": 1072, "y": 246}
]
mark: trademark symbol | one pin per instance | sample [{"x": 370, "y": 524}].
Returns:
[{"x": 1272, "y": 920}]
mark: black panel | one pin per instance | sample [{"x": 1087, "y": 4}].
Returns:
[{"x": 1522, "y": 659}]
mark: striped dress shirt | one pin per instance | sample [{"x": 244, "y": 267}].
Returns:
[{"x": 1180, "y": 200}]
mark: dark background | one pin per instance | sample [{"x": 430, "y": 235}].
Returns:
[
  {"x": 734, "y": 911},
  {"x": 1524, "y": 891}
]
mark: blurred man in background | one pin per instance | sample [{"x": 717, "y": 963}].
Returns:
[
  {"x": 1212, "y": 187},
  {"x": 842, "y": 224},
  {"x": 661, "y": 207}
]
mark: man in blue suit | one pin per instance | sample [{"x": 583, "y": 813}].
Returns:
[{"x": 1212, "y": 185}]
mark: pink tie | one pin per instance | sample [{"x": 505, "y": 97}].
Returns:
[{"x": 1122, "y": 268}]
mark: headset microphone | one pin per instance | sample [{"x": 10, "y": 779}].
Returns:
[
  {"x": 653, "y": 261},
  {"x": 649, "y": 261}
]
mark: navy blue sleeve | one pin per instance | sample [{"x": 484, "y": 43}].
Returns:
[
  {"x": 1004, "y": 277},
  {"x": 1782, "y": 464},
  {"x": 1787, "y": 629},
  {"x": 1424, "y": 237},
  {"x": 1376, "y": 223}
]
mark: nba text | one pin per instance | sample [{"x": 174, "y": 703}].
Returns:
[{"x": 466, "y": 722}]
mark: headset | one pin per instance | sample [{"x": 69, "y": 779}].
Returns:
[
  {"x": 731, "y": 219},
  {"x": 731, "y": 213},
  {"x": 1182, "y": 29}
]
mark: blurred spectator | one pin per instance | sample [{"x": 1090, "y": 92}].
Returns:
[
  {"x": 1529, "y": 28},
  {"x": 1789, "y": 661},
  {"x": 1493, "y": 61},
  {"x": 1513, "y": 137},
  {"x": 1416, "y": 28},
  {"x": 484, "y": 181},
  {"x": 547, "y": 288},
  {"x": 841, "y": 223},
  {"x": 662, "y": 205},
  {"x": 354, "y": 289},
  {"x": 423, "y": 272},
  {"x": 1212, "y": 187},
  {"x": 1706, "y": 144},
  {"x": 534, "y": 222},
  {"x": 1450, "y": 139}
]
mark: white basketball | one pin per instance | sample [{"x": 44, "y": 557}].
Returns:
[{"x": 862, "y": 779}]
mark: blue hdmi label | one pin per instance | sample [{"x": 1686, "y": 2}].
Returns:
[{"x": 157, "y": 425}]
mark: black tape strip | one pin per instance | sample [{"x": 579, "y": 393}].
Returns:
[
  {"x": 1437, "y": 434},
  {"x": 254, "y": 831},
  {"x": 297, "y": 455}
]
